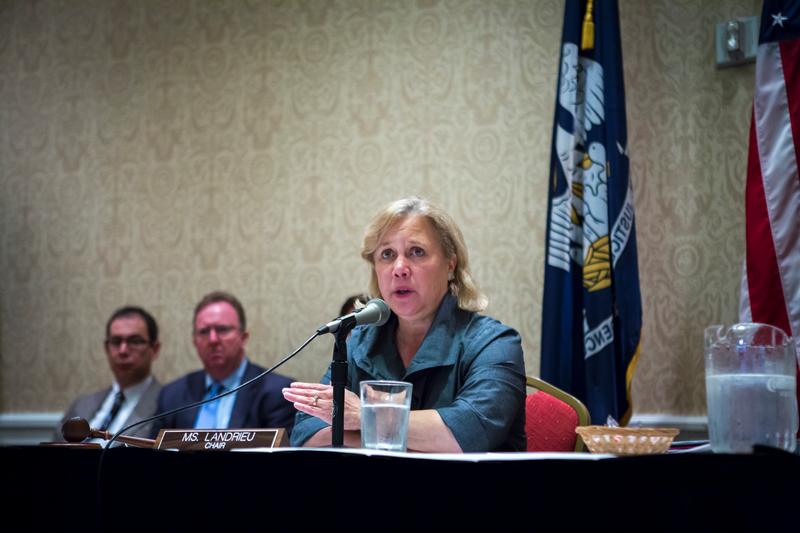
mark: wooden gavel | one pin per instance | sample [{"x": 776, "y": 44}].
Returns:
[{"x": 77, "y": 429}]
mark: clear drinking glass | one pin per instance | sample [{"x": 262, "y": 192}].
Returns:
[{"x": 384, "y": 415}]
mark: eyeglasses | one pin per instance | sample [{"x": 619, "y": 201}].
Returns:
[
  {"x": 134, "y": 342},
  {"x": 223, "y": 331}
]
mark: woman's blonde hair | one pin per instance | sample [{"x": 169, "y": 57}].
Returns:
[{"x": 462, "y": 286}]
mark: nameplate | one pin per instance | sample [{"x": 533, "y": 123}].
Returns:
[{"x": 219, "y": 439}]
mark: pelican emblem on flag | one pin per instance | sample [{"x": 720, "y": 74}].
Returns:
[{"x": 580, "y": 233}]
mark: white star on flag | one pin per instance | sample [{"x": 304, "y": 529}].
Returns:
[{"x": 778, "y": 19}]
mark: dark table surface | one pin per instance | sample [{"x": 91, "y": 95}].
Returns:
[{"x": 127, "y": 489}]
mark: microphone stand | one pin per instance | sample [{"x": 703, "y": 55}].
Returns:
[{"x": 339, "y": 380}]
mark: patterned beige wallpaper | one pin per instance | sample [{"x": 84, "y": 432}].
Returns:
[{"x": 151, "y": 151}]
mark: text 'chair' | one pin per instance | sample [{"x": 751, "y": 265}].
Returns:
[{"x": 551, "y": 416}]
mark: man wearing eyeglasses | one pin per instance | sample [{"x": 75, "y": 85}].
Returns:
[
  {"x": 220, "y": 336},
  {"x": 131, "y": 345}
]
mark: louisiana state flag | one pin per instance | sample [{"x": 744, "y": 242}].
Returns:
[{"x": 592, "y": 312}]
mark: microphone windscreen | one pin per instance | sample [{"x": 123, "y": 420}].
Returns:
[{"x": 375, "y": 312}]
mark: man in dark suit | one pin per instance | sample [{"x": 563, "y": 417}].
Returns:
[
  {"x": 220, "y": 336},
  {"x": 131, "y": 346}
]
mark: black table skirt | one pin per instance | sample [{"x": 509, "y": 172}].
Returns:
[{"x": 146, "y": 490}]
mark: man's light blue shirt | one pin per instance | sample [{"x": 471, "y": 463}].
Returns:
[{"x": 225, "y": 407}]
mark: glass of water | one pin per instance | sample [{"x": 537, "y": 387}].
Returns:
[{"x": 384, "y": 415}]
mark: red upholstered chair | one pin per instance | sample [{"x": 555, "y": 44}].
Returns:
[{"x": 551, "y": 416}]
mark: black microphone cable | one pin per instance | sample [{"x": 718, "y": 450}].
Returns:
[{"x": 226, "y": 393}]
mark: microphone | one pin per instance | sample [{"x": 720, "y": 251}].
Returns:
[
  {"x": 375, "y": 312},
  {"x": 77, "y": 429}
]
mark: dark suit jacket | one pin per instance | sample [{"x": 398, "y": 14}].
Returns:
[
  {"x": 259, "y": 405},
  {"x": 86, "y": 406}
]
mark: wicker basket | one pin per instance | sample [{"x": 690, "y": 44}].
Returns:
[{"x": 626, "y": 441}]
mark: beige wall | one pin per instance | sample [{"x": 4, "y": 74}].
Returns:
[{"x": 151, "y": 151}]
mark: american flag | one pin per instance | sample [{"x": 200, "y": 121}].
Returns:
[{"x": 771, "y": 282}]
